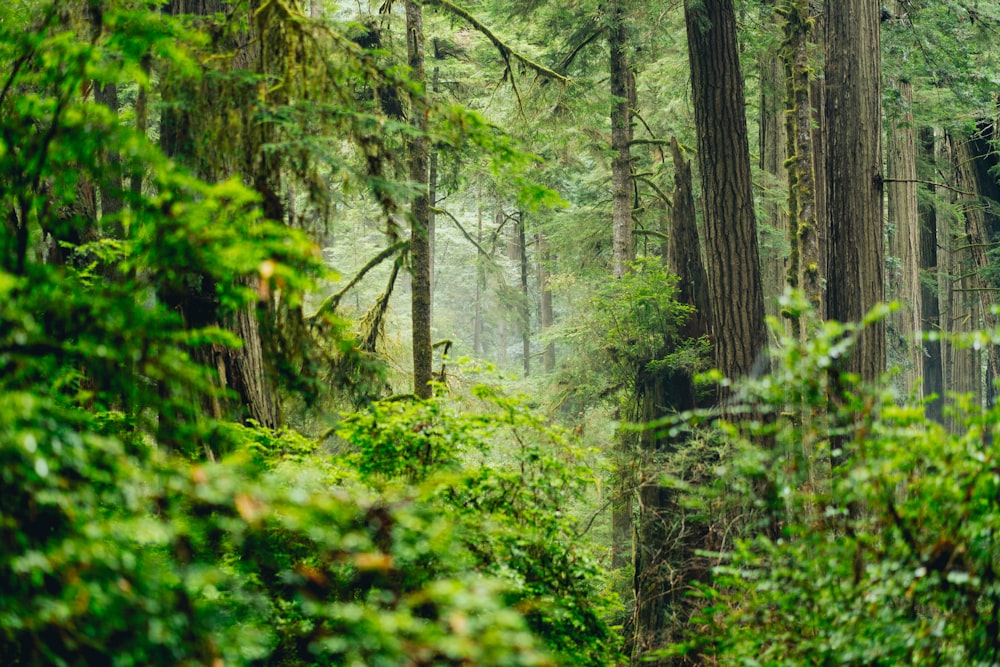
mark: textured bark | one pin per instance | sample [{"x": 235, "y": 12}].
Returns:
[
  {"x": 738, "y": 331},
  {"x": 420, "y": 313},
  {"x": 976, "y": 244},
  {"x": 684, "y": 254},
  {"x": 959, "y": 305},
  {"x": 930, "y": 309},
  {"x": 623, "y": 93},
  {"x": 856, "y": 255},
  {"x": 802, "y": 194},
  {"x": 904, "y": 240}
]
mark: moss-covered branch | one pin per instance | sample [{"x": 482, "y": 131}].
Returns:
[{"x": 505, "y": 51}]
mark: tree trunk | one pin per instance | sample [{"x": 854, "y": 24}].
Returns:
[
  {"x": 242, "y": 369},
  {"x": 904, "y": 240},
  {"x": 959, "y": 305},
  {"x": 525, "y": 310},
  {"x": 804, "y": 239},
  {"x": 623, "y": 100},
  {"x": 419, "y": 213},
  {"x": 545, "y": 315},
  {"x": 932, "y": 277},
  {"x": 774, "y": 230},
  {"x": 856, "y": 249},
  {"x": 668, "y": 533},
  {"x": 739, "y": 335},
  {"x": 976, "y": 242}
]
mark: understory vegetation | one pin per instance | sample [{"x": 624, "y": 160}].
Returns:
[{"x": 211, "y": 454}]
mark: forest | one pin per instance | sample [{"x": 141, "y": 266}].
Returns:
[{"x": 482, "y": 332}]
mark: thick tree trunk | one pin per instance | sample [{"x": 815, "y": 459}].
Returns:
[
  {"x": 623, "y": 94},
  {"x": 419, "y": 213},
  {"x": 959, "y": 304},
  {"x": 904, "y": 240},
  {"x": 856, "y": 255},
  {"x": 976, "y": 244},
  {"x": 739, "y": 336},
  {"x": 243, "y": 369}
]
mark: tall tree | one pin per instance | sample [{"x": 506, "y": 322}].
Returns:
[
  {"x": 733, "y": 264},
  {"x": 419, "y": 211},
  {"x": 904, "y": 235},
  {"x": 185, "y": 135},
  {"x": 856, "y": 249},
  {"x": 623, "y": 101}
]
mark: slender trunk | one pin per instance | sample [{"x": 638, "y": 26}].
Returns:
[
  {"x": 930, "y": 310},
  {"x": 419, "y": 213},
  {"x": 623, "y": 100},
  {"x": 477, "y": 322},
  {"x": 739, "y": 335},
  {"x": 904, "y": 240},
  {"x": 959, "y": 303},
  {"x": 525, "y": 314},
  {"x": 545, "y": 315}
]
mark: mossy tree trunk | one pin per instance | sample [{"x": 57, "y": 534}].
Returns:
[
  {"x": 419, "y": 212},
  {"x": 242, "y": 370}
]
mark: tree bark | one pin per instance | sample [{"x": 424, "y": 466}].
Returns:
[
  {"x": 244, "y": 369},
  {"x": 932, "y": 277},
  {"x": 976, "y": 242},
  {"x": 419, "y": 212},
  {"x": 739, "y": 335},
  {"x": 856, "y": 249},
  {"x": 904, "y": 240},
  {"x": 623, "y": 100}
]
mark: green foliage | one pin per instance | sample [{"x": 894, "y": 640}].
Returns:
[
  {"x": 889, "y": 560},
  {"x": 629, "y": 330},
  {"x": 120, "y": 548},
  {"x": 507, "y": 482}
]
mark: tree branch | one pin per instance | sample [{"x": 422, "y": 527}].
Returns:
[
  {"x": 505, "y": 51},
  {"x": 466, "y": 234},
  {"x": 331, "y": 302},
  {"x": 935, "y": 184}
]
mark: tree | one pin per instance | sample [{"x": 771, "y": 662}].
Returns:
[
  {"x": 623, "y": 97},
  {"x": 738, "y": 334},
  {"x": 856, "y": 247},
  {"x": 419, "y": 212}
]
